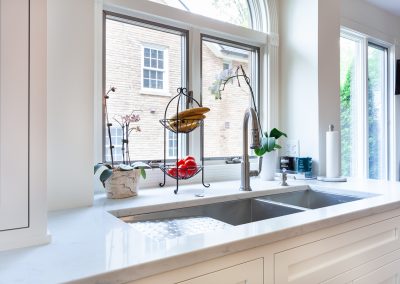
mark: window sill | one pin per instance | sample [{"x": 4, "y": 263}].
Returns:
[{"x": 149, "y": 92}]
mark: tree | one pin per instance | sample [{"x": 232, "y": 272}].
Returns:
[
  {"x": 346, "y": 122},
  {"x": 234, "y": 11}
]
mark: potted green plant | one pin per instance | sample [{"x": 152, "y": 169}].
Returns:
[
  {"x": 268, "y": 153},
  {"x": 122, "y": 180}
]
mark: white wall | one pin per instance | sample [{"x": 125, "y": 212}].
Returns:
[
  {"x": 309, "y": 73},
  {"x": 368, "y": 19},
  {"x": 365, "y": 18},
  {"x": 70, "y": 103}
]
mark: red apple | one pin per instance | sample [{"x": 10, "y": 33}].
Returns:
[
  {"x": 182, "y": 171},
  {"x": 173, "y": 172},
  {"x": 189, "y": 158},
  {"x": 180, "y": 162},
  {"x": 191, "y": 167}
]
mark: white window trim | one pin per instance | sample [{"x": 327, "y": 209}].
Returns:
[
  {"x": 150, "y": 91},
  {"x": 362, "y": 91},
  {"x": 267, "y": 40}
]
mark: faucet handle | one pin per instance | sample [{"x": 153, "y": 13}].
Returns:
[{"x": 284, "y": 178}]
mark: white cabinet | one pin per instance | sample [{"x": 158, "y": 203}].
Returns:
[
  {"x": 333, "y": 257},
  {"x": 387, "y": 274},
  {"x": 22, "y": 123},
  {"x": 246, "y": 273},
  {"x": 385, "y": 269}
]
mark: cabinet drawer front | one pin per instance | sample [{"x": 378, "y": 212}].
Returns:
[
  {"x": 324, "y": 259},
  {"x": 246, "y": 273}
]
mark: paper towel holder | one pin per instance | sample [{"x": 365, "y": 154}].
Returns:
[{"x": 331, "y": 128}]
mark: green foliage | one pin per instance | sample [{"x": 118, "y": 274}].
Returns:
[
  {"x": 268, "y": 143},
  {"x": 106, "y": 170},
  {"x": 374, "y": 80},
  {"x": 234, "y": 11},
  {"x": 346, "y": 122},
  {"x": 347, "y": 118}
]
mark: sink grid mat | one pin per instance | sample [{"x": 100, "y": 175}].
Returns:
[{"x": 177, "y": 227}]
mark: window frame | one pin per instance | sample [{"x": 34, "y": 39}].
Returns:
[
  {"x": 123, "y": 18},
  {"x": 265, "y": 20},
  {"x": 255, "y": 80},
  {"x": 362, "y": 151}
]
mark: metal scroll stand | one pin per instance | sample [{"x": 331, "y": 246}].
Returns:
[{"x": 185, "y": 126}]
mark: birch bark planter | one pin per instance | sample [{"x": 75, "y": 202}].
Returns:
[
  {"x": 269, "y": 164},
  {"x": 122, "y": 184}
]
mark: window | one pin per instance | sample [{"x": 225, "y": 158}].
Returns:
[
  {"x": 363, "y": 103},
  {"x": 377, "y": 120},
  {"x": 223, "y": 126},
  {"x": 172, "y": 145},
  {"x": 154, "y": 68},
  {"x": 116, "y": 139},
  {"x": 148, "y": 56},
  {"x": 349, "y": 63},
  {"x": 127, "y": 44},
  {"x": 226, "y": 66},
  {"x": 236, "y": 12}
]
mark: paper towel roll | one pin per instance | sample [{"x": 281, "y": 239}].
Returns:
[{"x": 332, "y": 154}]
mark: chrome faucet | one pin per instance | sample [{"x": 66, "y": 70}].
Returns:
[{"x": 246, "y": 173}]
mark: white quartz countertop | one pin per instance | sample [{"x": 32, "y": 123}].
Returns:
[{"x": 92, "y": 245}]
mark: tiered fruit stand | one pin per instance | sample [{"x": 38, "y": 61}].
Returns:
[{"x": 178, "y": 126}]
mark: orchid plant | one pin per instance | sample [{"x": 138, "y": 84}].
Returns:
[
  {"x": 268, "y": 140},
  {"x": 125, "y": 122}
]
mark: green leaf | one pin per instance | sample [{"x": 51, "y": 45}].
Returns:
[
  {"x": 97, "y": 167},
  {"x": 143, "y": 173},
  {"x": 276, "y": 133},
  {"x": 271, "y": 144},
  {"x": 100, "y": 165},
  {"x": 267, "y": 145},
  {"x": 105, "y": 175},
  {"x": 278, "y": 146},
  {"x": 140, "y": 165},
  {"x": 124, "y": 167}
]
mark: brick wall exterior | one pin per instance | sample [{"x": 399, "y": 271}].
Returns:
[{"x": 124, "y": 71}]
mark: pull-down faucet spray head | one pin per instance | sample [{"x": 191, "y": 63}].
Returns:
[{"x": 255, "y": 143}]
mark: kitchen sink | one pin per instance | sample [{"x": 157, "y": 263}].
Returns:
[
  {"x": 169, "y": 224},
  {"x": 311, "y": 199},
  {"x": 205, "y": 218}
]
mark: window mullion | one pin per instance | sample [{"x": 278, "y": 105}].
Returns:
[
  {"x": 195, "y": 83},
  {"x": 364, "y": 157}
]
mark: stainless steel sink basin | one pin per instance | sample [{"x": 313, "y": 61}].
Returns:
[
  {"x": 174, "y": 223},
  {"x": 311, "y": 199},
  {"x": 205, "y": 218}
]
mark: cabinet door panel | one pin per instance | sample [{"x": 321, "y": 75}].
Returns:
[
  {"x": 388, "y": 274},
  {"x": 246, "y": 273},
  {"x": 322, "y": 260},
  {"x": 14, "y": 113}
]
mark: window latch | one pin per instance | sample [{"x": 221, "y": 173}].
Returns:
[
  {"x": 190, "y": 99},
  {"x": 233, "y": 160}
]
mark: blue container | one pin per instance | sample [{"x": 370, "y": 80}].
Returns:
[{"x": 303, "y": 165}]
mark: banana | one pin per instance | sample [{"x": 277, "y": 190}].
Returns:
[
  {"x": 186, "y": 127},
  {"x": 191, "y": 112},
  {"x": 188, "y": 119}
]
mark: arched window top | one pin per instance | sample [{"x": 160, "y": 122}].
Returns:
[{"x": 237, "y": 12}]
